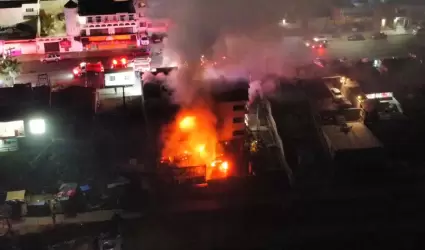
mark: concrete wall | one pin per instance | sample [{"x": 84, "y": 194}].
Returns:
[
  {"x": 76, "y": 46},
  {"x": 23, "y": 47},
  {"x": 30, "y": 9},
  {"x": 10, "y": 16},
  {"x": 225, "y": 115}
]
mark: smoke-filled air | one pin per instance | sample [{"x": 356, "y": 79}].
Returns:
[{"x": 214, "y": 39}]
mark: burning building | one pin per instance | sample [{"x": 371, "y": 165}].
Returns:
[{"x": 205, "y": 141}]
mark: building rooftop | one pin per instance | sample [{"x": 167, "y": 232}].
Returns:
[
  {"x": 108, "y": 7},
  {"x": 22, "y": 100},
  {"x": 15, "y": 4},
  {"x": 407, "y": 2},
  {"x": 316, "y": 89},
  {"x": 71, "y": 4},
  {"x": 358, "y": 136},
  {"x": 230, "y": 91}
]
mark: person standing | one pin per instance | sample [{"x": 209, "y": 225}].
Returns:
[{"x": 53, "y": 211}]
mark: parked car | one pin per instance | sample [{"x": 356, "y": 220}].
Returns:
[
  {"x": 336, "y": 93},
  {"x": 356, "y": 37},
  {"x": 51, "y": 57},
  {"x": 418, "y": 31},
  {"x": 378, "y": 36},
  {"x": 156, "y": 38},
  {"x": 144, "y": 41}
]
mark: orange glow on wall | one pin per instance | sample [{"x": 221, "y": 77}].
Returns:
[
  {"x": 112, "y": 46},
  {"x": 109, "y": 38}
]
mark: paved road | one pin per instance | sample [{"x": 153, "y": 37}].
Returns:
[
  {"x": 279, "y": 54},
  {"x": 61, "y": 72},
  {"x": 394, "y": 46},
  {"x": 294, "y": 50}
]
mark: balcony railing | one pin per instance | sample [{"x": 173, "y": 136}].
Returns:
[{"x": 110, "y": 24}]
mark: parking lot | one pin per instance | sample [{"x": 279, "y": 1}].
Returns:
[{"x": 295, "y": 52}]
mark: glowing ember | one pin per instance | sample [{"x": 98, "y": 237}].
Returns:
[
  {"x": 224, "y": 165},
  {"x": 187, "y": 122}
]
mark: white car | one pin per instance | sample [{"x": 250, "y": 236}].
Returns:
[
  {"x": 336, "y": 93},
  {"x": 144, "y": 41},
  {"x": 52, "y": 57},
  {"x": 322, "y": 39},
  {"x": 418, "y": 31}
]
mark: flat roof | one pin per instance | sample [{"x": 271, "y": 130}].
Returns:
[
  {"x": 357, "y": 137},
  {"x": 108, "y": 7},
  {"x": 316, "y": 88},
  {"x": 230, "y": 90},
  {"x": 16, "y": 4}
]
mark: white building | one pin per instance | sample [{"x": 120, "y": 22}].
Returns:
[
  {"x": 71, "y": 16},
  {"x": 114, "y": 26},
  {"x": 14, "y": 12}
]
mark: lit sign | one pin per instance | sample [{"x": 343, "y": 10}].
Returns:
[
  {"x": 120, "y": 79},
  {"x": 109, "y": 38},
  {"x": 12, "y": 129},
  {"x": 65, "y": 43},
  {"x": 379, "y": 95}
]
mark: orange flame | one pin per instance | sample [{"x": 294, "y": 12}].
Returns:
[
  {"x": 188, "y": 122},
  {"x": 192, "y": 139}
]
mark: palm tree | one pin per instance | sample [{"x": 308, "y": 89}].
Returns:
[{"x": 10, "y": 67}]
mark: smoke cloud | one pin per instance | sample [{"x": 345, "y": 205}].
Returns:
[
  {"x": 246, "y": 32},
  {"x": 243, "y": 29}
]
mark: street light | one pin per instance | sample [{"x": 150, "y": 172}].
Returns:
[{"x": 37, "y": 126}]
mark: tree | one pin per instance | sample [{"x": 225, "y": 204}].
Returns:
[
  {"x": 10, "y": 67},
  {"x": 47, "y": 23}
]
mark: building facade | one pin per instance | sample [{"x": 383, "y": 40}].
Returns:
[
  {"x": 353, "y": 14},
  {"x": 15, "y": 12},
  {"x": 120, "y": 25},
  {"x": 231, "y": 123}
]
